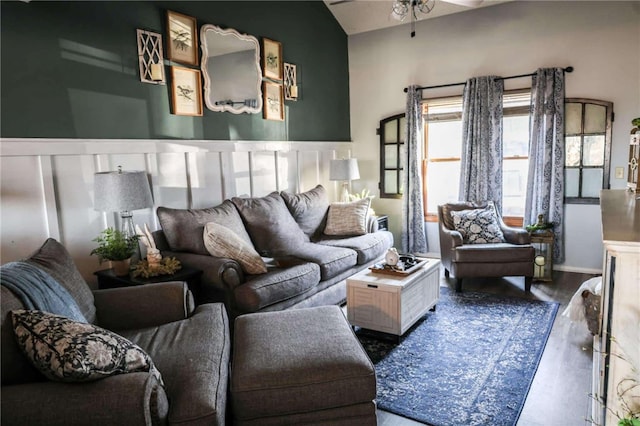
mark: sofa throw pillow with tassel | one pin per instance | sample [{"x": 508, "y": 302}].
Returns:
[
  {"x": 478, "y": 226},
  {"x": 221, "y": 241},
  {"x": 348, "y": 218},
  {"x": 71, "y": 351}
]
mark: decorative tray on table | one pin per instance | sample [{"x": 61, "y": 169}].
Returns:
[{"x": 406, "y": 266}]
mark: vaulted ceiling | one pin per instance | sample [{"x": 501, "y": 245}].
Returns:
[{"x": 358, "y": 16}]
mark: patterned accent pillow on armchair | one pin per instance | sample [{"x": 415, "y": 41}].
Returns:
[{"x": 478, "y": 226}]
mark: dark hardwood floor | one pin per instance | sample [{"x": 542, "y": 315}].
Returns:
[{"x": 559, "y": 395}]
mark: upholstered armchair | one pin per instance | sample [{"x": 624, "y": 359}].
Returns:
[{"x": 464, "y": 253}]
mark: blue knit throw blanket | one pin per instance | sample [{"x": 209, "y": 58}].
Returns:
[{"x": 38, "y": 290}]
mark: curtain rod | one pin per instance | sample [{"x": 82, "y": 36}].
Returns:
[{"x": 567, "y": 69}]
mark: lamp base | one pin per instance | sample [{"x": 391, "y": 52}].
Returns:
[
  {"x": 345, "y": 192},
  {"x": 127, "y": 228}
]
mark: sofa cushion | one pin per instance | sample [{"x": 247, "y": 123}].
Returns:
[
  {"x": 71, "y": 351},
  {"x": 53, "y": 258},
  {"x": 331, "y": 260},
  {"x": 193, "y": 357},
  {"x": 183, "y": 228},
  {"x": 369, "y": 247},
  {"x": 273, "y": 230},
  {"x": 348, "y": 218},
  {"x": 478, "y": 226},
  {"x": 277, "y": 285},
  {"x": 309, "y": 209},
  {"x": 221, "y": 241}
]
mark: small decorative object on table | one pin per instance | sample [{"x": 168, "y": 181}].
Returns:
[
  {"x": 154, "y": 265},
  {"x": 398, "y": 264}
]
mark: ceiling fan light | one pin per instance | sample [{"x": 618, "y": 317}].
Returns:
[
  {"x": 425, "y": 6},
  {"x": 399, "y": 9}
]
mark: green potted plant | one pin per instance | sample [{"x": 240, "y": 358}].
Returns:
[{"x": 117, "y": 248}]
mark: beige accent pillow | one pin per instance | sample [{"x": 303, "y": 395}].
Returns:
[
  {"x": 348, "y": 218},
  {"x": 221, "y": 241}
]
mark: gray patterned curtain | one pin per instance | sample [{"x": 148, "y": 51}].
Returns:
[
  {"x": 413, "y": 235},
  {"x": 481, "y": 162},
  {"x": 545, "y": 183}
]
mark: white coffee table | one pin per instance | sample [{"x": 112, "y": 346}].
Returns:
[{"x": 390, "y": 303}]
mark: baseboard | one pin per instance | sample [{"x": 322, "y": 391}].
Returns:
[{"x": 567, "y": 268}]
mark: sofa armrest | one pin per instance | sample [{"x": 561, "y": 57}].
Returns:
[
  {"x": 124, "y": 399},
  {"x": 221, "y": 273},
  {"x": 143, "y": 306}
]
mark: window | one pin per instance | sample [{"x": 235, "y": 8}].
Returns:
[
  {"x": 392, "y": 133},
  {"x": 587, "y": 149},
  {"x": 443, "y": 147}
]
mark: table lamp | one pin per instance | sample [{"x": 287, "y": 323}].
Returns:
[
  {"x": 345, "y": 170},
  {"x": 122, "y": 191}
]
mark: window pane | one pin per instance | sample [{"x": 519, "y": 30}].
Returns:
[
  {"x": 445, "y": 139},
  {"x": 391, "y": 131},
  {"x": 515, "y": 136},
  {"x": 571, "y": 182},
  {"x": 591, "y": 182},
  {"x": 391, "y": 156},
  {"x": 572, "y": 118},
  {"x": 572, "y": 151},
  {"x": 403, "y": 129},
  {"x": 403, "y": 156},
  {"x": 514, "y": 186},
  {"x": 593, "y": 151},
  {"x": 390, "y": 182},
  {"x": 443, "y": 179},
  {"x": 595, "y": 118}
]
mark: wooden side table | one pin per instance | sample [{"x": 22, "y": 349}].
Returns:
[{"x": 108, "y": 279}]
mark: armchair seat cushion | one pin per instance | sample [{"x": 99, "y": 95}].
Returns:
[
  {"x": 192, "y": 355},
  {"x": 493, "y": 253}
]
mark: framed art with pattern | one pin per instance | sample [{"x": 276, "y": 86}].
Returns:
[
  {"x": 182, "y": 38},
  {"x": 272, "y": 59},
  {"x": 273, "y": 101},
  {"x": 186, "y": 91}
]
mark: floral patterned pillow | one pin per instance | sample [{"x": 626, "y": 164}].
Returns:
[
  {"x": 478, "y": 226},
  {"x": 70, "y": 351}
]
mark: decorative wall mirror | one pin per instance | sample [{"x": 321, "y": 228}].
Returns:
[{"x": 231, "y": 70}]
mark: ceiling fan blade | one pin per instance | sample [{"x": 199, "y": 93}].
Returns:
[
  {"x": 467, "y": 3},
  {"x": 333, "y": 3}
]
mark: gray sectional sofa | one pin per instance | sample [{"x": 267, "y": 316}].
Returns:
[{"x": 305, "y": 266}]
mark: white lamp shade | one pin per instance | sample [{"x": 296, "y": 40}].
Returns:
[
  {"x": 121, "y": 191},
  {"x": 346, "y": 169}
]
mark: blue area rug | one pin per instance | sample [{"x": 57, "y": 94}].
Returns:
[{"x": 471, "y": 362}]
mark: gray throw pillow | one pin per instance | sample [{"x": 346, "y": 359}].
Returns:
[
  {"x": 273, "y": 230},
  {"x": 183, "y": 228},
  {"x": 309, "y": 209}
]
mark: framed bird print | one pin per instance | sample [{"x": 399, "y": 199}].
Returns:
[
  {"x": 272, "y": 59},
  {"x": 186, "y": 91},
  {"x": 182, "y": 38},
  {"x": 273, "y": 101}
]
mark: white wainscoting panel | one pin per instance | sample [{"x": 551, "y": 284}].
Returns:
[{"x": 46, "y": 185}]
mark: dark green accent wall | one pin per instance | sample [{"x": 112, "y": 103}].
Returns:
[{"x": 70, "y": 70}]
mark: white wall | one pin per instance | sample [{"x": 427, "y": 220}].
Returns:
[
  {"x": 601, "y": 40},
  {"x": 46, "y": 186}
]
